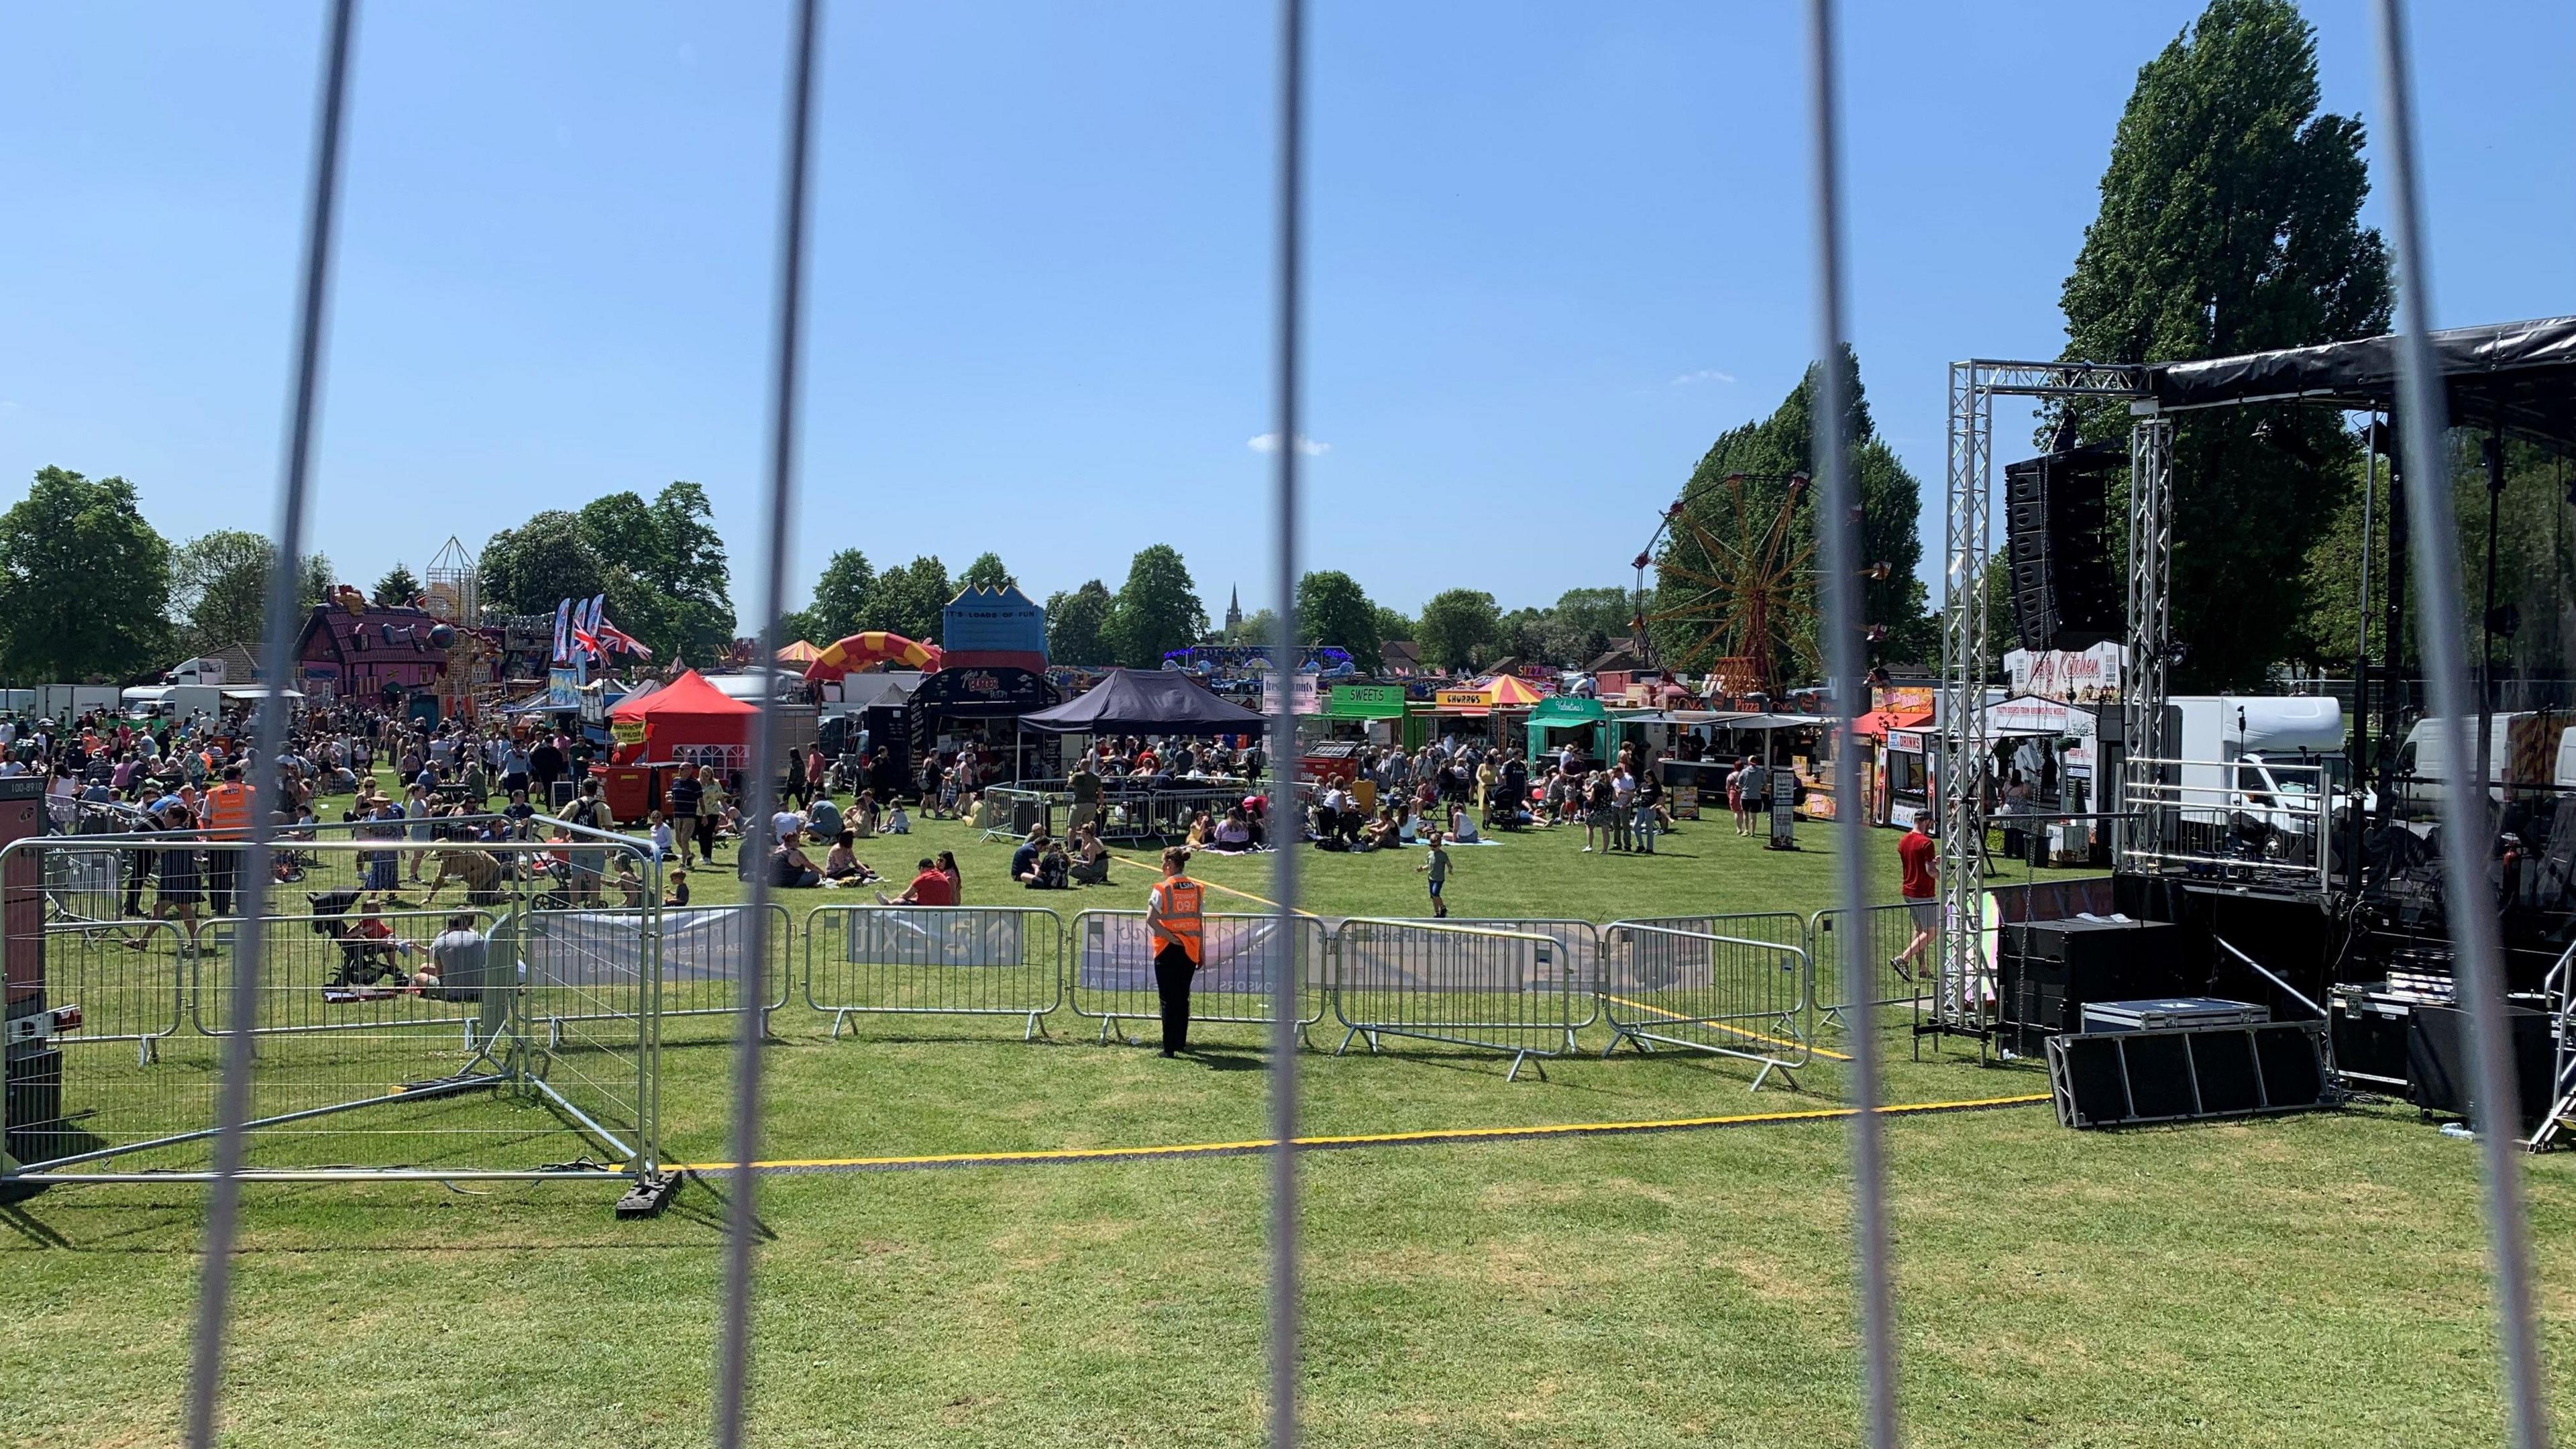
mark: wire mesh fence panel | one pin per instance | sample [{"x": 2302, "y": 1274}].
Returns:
[
  {"x": 589, "y": 1017},
  {"x": 127, "y": 984},
  {"x": 1886, "y": 933},
  {"x": 934, "y": 961},
  {"x": 347, "y": 970},
  {"x": 389, "y": 1039},
  {"x": 1740, "y": 986},
  {"x": 1517, "y": 992},
  {"x": 699, "y": 950},
  {"x": 1113, "y": 969}
]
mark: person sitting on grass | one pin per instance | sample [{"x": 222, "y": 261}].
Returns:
[
  {"x": 1234, "y": 834},
  {"x": 1383, "y": 833},
  {"x": 789, "y": 868},
  {"x": 675, "y": 888},
  {"x": 1202, "y": 831},
  {"x": 841, "y": 864},
  {"x": 931, "y": 887},
  {"x": 1054, "y": 869},
  {"x": 1024, "y": 860},
  {"x": 863, "y": 815},
  {"x": 1090, "y": 858},
  {"x": 896, "y": 822},
  {"x": 1462, "y": 828}
]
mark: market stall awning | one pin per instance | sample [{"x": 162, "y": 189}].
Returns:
[
  {"x": 687, "y": 711},
  {"x": 1565, "y": 711}
]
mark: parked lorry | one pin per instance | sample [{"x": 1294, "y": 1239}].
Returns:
[
  {"x": 2524, "y": 748},
  {"x": 64, "y": 703},
  {"x": 177, "y": 701},
  {"x": 2253, "y": 775}
]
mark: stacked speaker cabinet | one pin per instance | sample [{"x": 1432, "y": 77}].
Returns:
[
  {"x": 2056, "y": 530},
  {"x": 2137, "y": 1078},
  {"x": 30, "y": 1069}
]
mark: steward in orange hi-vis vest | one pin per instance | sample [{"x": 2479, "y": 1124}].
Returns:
[
  {"x": 228, "y": 806},
  {"x": 1177, "y": 926}
]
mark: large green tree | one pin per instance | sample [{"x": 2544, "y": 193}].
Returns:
[
  {"x": 986, "y": 572},
  {"x": 1074, "y": 622},
  {"x": 1157, "y": 611},
  {"x": 84, "y": 583},
  {"x": 1702, "y": 578},
  {"x": 660, "y": 561},
  {"x": 839, "y": 607},
  {"x": 219, "y": 588},
  {"x": 397, "y": 587},
  {"x": 910, "y": 600},
  {"x": 2230, "y": 223},
  {"x": 1333, "y": 609},
  {"x": 1459, "y": 628},
  {"x": 531, "y": 568}
]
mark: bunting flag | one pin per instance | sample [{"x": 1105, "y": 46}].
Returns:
[{"x": 563, "y": 632}]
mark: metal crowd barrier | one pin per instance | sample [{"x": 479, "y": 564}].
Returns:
[
  {"x": 934, "y": 961},
  {"x": 130, "y": 982},
  {"x": 319, "y": 974},
  {"x": 1885, "y": 930},
  {"x": 1163, "y": 814},
  {"x": 1496, "y": 990},
  {"x": 1113, "y": 970},
  {"x": 698, "y": 954},
  {"x": 1739, "y": 986}
]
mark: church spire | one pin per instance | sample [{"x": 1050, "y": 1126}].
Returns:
[{"x": 1233, "y": 605}]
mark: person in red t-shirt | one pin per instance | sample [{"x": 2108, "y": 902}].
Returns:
[
  {"x": 931, "y": 887},
  {"x": 1917, "y": 854}
]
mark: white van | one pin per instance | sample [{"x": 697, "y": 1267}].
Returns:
[{"x": 2523, "y": 748}]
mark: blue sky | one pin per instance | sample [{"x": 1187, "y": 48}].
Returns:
[{"x": 1556, "y": 250}]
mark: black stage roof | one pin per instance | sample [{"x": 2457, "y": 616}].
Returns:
[{"x": 2519, "y": 374}]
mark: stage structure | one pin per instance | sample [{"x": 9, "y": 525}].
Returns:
[{"x": 2511, "y": 381}]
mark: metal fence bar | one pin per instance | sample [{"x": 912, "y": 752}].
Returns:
[
  {"x": 2465, "y": 824},
  {"x": 1839, "y": 525},
  {"x": 1696, "y": 984},
  {"x": 934, "y": 961},
  {"x": 1516, "y": 992},
  {"x": 1879, "y": 933},
  {"x": 1111, "y": 970},
  {"x": 277, "y": 656},
  {"x": 119, "y": 982},
  {"x": 733, "y": 1347}
]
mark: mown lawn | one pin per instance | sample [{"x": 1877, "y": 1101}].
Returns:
[{"x": 2308, "y": 1280}]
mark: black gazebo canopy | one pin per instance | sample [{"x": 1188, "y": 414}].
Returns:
[{"x": 1147, "y": 702}]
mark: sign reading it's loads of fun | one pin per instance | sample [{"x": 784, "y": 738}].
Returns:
[{"x": 994, "y": 621}]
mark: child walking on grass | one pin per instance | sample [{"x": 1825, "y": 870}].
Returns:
[{"x": 1435, "y": 864}]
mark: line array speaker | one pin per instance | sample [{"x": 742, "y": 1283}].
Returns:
[
  {"x": 2185, "y": 1074},
  {"x": 2056, "y": 513}
]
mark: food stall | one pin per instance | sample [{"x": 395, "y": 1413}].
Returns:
[{"x": 687, "y": 721}]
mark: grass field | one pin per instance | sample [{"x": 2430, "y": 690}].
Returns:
[{"x": 2308, "y": 1280}]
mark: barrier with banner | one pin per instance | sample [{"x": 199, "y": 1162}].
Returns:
[
  {"x": 1113, "y": 970},
  {"x": 697, "y": 952},
  {"x": 863, "y": 960},
  {"x": 393, "y": 1044}
]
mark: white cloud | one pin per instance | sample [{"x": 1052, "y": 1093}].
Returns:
[
  {"x": 1269, "y": 443},
  {"x": 1705, "y": 374}
]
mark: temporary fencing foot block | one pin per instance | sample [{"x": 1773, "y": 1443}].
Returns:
[{"x": 647, "y": 1198}]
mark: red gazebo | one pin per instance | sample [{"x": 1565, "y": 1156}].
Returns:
[{"x": 686, "y": 719}]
